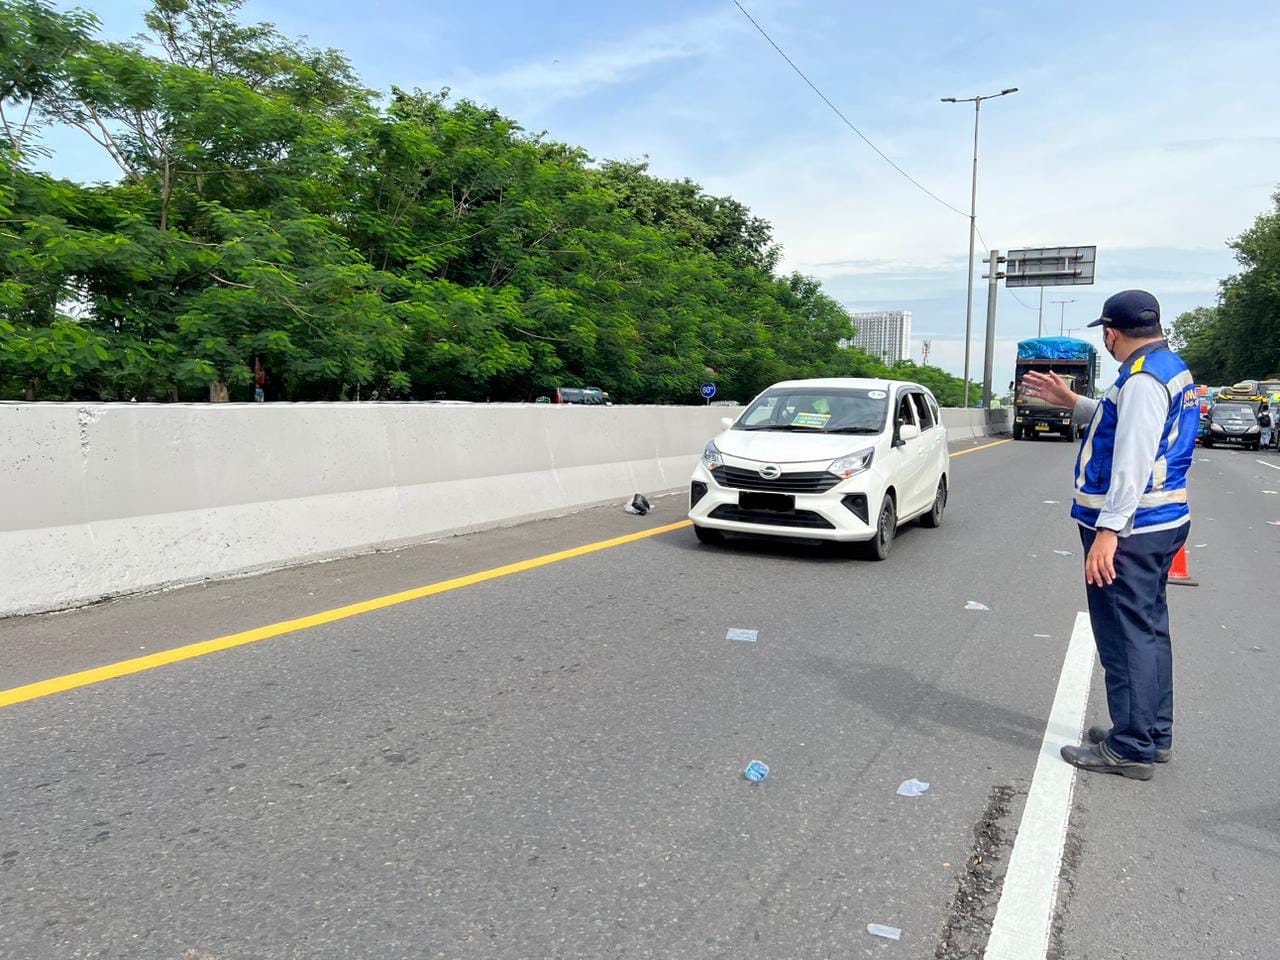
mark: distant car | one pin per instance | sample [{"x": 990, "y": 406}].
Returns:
[
  {"x": 1231, "y": 422},
  {"x": 584, "y": 395},
  {"x": 837, "y": 459}
]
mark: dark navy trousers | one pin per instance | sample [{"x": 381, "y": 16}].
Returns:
[{"x": 1131, "y": 629}]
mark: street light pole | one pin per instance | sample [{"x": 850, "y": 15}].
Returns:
[
  {"x": 973, "y": 222},
  {"x": 1062, "y": 316}
]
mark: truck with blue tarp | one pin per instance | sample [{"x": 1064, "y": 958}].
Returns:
[{"x": 1076, "y": 361}]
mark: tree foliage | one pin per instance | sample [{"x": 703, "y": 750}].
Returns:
[
  {"x": 1239, "y": 338},
  {"x": 272, "y": 211}
]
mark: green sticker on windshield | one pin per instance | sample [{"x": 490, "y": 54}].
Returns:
[{"x": 811, "y": 420}]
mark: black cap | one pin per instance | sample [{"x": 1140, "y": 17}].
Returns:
[{"x": 1128, "y": 309}]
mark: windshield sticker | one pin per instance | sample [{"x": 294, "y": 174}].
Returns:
[
  {"x": 877, "y": 394},
  {"x": 811, "y": 420}
]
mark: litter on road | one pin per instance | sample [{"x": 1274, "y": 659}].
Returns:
[
  {"x": 975, "y": 605},
  {"x": 912, "y": 788},
  {"x": 638, "y": 505},
  {"x": 880, "y": 930},
  {"x": 1271, "y": 491},
  {"x": 1052, "y": 501},
  {"x": 756, "y": 771},
  {"x": 1273, "y": 523},
  {"x": 1042, "y": 636},
  {"x": 738, "y": 633},
  {"x": 1200, "y": 545},
  {"x": 1064, "y": 553}
]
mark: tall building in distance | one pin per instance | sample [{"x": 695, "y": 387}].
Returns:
[{"x": 883, "y": 333}]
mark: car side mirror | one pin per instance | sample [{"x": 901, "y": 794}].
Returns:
[
  {"x": 726, "y": 422},
  {"x": 908, "y": 431}
]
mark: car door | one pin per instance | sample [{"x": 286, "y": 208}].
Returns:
[
  {"x": 909, "y": 457},
  {"x": 934, "y": 436}
]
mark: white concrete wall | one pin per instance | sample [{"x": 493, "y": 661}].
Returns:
[
  {"x": 971, "y": 424},
  {"x": 98, "y": 500},
  {"x": 103, "y": 499}
]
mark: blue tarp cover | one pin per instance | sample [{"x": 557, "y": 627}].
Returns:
[{"x": 1056, "y": 348}]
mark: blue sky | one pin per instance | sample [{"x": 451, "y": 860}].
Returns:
[{"x": 1149, "y": 130}]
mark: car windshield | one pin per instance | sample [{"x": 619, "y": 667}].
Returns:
[
  {"x": 1234, "y": 412},
  {"x": 817, "y": 410}
]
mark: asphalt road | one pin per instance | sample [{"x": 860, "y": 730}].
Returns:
[{"x": 549, "y": 764}]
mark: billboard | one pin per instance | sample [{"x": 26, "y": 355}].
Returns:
[{"x": 1050, "y": 267}]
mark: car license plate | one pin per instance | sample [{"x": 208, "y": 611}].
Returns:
[
  {"x": 1042, "y": 426},
  {"x": 776, "y": 502}
]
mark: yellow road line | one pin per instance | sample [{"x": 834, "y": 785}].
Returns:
[
  {"x": 44, "y": 688},
  {"x": 985, "y": 446},
  {"x": 121, "y": 668}
]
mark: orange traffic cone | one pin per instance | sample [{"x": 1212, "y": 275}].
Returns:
[{"x": 1178, "y": 573}]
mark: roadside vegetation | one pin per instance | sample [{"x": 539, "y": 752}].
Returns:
[
  {"x": 272, "y": 213},
  {"x": 1239, "y": 337}
]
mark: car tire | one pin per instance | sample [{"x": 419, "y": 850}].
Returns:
[
  {"x": 878, "y": 547},
  {"x": 708, "y": 536},
  {"x": 1207, "y": 443},
  {"x": 933, "y": 518},
  {"x": 1017, "y": 433}
]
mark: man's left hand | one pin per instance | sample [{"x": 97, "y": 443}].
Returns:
[{"x": 1100, "y": 567}]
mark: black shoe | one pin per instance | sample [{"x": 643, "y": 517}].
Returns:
[
  {"x": 1100, "y": 759},
  {"x": 1099, "y": 734}
]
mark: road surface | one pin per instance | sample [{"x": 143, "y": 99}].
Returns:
[{"x": 546, "y": 761}]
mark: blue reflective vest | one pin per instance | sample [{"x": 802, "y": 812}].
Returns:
[{"x": 1164, "y": 503}]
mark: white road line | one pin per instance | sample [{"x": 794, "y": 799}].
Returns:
[
  {"x": 1271, "y": 465},
  {"x": 1024, "y": 915}
]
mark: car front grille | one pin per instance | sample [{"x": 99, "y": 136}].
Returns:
[
  {"x": 741, "y": 479},
  {"x": 772, "y": 518}
]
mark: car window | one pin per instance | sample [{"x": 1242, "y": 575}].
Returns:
[
  {"x": 821, "y": 409},
  {"x": 933, "y": 406},
  {"x": 923, "y": 413},
  {"x": 905, "y": 410},
  {"x": 761, "y": 412}
]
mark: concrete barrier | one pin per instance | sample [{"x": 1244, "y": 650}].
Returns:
[
  {"x": 964, "y": 424},
  {"x": 98, "y": 500}
]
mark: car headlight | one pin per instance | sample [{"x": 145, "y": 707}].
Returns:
[
  {"x": 853, "y": 464},
  {"x": 1017, "y": 419},
  {"x": 1215, "y": 427},
  {"x": 711, "y": 456},
  {"x": 1253, "y": 430}
]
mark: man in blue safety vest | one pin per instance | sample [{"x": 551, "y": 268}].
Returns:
[{"x": 1131, "y": 505}]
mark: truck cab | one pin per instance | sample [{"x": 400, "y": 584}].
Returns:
[{"x": 1076, "y": 361}]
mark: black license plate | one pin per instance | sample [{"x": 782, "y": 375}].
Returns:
[{"x": 776, "y": 502}]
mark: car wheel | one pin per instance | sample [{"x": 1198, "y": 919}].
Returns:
[
  {"x": 1017, "y": 433},
  {"x": 878, "y": 547},
  {"x": 707, "y": 535},
  {"x": 934, "y": 517},
  {"x": 1207, "y": 443}
]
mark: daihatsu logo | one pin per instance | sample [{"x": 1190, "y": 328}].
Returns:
[{"x": 771, "y": 471}]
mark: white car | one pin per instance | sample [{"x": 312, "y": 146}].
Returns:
[{"x": 839, "y": 459}]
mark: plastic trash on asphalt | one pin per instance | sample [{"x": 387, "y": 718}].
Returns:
[
  {"x": 880, "y": 930},
  {"x": 738, "y": 633},
  {"x": 912, "y": 788},
  {"x": 1064, "y": 553},
  {"x": 638, "y": 505},
  {"x": 975, "y": 605},
  {"x": 1042, "y": 636},
  {"x": 1051, "y": 501},
  {"x": 756, "y": 771}
]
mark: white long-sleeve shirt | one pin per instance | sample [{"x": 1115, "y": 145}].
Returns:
[{"x": 1142, "y": 409}]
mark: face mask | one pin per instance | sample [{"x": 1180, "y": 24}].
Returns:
[{"x": 1109, "y": 345}]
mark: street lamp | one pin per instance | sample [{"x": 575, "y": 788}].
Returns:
[
  {"x": 1062, "y": 316},
  {"x": 973, "y": 221}
]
